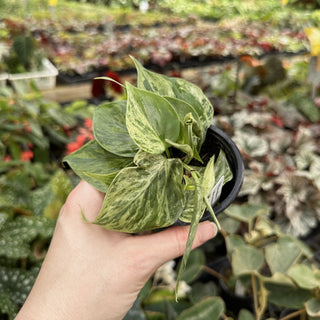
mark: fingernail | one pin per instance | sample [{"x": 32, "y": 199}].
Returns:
[{"x": 207, "y": 230}]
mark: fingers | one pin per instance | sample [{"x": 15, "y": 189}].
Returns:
[
  {"x": 86, "y": 198},
  {"x": 171, "y": 243}
]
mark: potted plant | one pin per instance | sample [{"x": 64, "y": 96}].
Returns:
[
  {"x": 148, "y": 157},
  {"x": 270, "y": 268},
  {"x": 25, "y": 62}
]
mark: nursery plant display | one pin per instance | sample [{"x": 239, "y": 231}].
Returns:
[
  {"x": 33, "y": 135},
  {"x": 267, "y": 266},
  {"x": 83, "y": 42},
  {"x": 147, "y": 157}
]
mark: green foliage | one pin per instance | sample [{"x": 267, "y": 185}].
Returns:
[
  {"x": 31, "y": 123},
  {"x": 154, "y": 191},
  {"x": 23, "y": 55},
  {"x": 281, "y": 266},
  {"x": 31, "y": 192}
]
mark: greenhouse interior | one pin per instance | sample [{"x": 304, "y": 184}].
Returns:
[{"x": 214, "y": 105}]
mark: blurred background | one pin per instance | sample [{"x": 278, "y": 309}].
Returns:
[{"x": 257, "y": 61}]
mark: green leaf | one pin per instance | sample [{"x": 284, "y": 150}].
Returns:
[
  {"x": 16, "y": 235},
  {"x": 7, "y": 306},
  {"x": 198, "y": 210},
  {"x": 313, "y": 307},
  {"x": 176, "y": 88},
  {"x": 234, "y": 241},
  {"x": 201, "y": 290},
  {"x": 150, "y": 120},
  {"x": 183, "y": 109},
  {"x": 17, "y": 283},
  {"x": 222, "y": 168},
  {"x": 194, "y": 266},
  {"x": 246, "y": 259},
  {"x": 210, "y": 308},
  {"x": 247, "y": 212},
  {"x": 287, "y": 296},
  {"x": 208, "y": 180},
  {"x": 145, "y": 197},
  {"x": 135, "y": 312},
  {"x": 96, "y": 165},
  {"x": 110, "y": 131},
  {"x": 282, "y": 254},
  {"x": 245, "y": 315},
  {"x": 303, "y": 276}
]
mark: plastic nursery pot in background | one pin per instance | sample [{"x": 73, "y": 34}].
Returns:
[{"x": 215, "y": 141}]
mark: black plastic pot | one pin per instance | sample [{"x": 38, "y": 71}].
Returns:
[{"x": 215, "y": 141}]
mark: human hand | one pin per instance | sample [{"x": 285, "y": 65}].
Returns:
[{"x": 93, "y": 273}]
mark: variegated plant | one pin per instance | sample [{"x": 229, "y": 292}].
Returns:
[{"x": 146, "y": 157}]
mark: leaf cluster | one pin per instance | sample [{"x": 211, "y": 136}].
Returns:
[
  {"x": 31, "y": 196},
  {"x": 146, "y": 156},
  {"x": 30, "y": 122},
  {"x": 273, "y": 267}
]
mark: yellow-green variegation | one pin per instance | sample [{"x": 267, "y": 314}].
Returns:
[{"x": 146, "y": 157}]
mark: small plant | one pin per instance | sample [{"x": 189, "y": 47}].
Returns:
[
  {"x": 146, "y": 156},
  {"x": 23, "y": 56},
  {"x": 269, "y": 266}
]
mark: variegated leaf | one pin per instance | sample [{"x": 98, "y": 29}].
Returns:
[
  {"x": 198, "y": 210},
  {"x": 110, "y": 130},
  {"x": 176, "y": 88},
  {"x": 145, "y": 197},
  {"x": 222, "y": 168},
  {"x": 96, "y": 165},
  {"x": 150, "y": 120},
  {"x": 212, "y": 173},
  {"x": 208, "y": 179},
  {"x": 183, "y": 109}
]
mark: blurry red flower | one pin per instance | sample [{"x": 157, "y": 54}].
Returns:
[
  {"x": 26, "y": 155},
  {"x": 88, "y": 123},
  {"x": 73, "y": 146}
]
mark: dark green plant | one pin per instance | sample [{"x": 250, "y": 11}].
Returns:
[
  {"x": 31, "y": 196},
  {"x": 24, "y": 56}
]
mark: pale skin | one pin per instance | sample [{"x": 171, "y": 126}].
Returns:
[{"x": 93, "y": 273}]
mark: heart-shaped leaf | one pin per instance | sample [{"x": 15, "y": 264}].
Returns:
[
  {"x": 303, "y": 276},
  {"x": 282, "y": 254},
  {"x": 176, "y": 88},
  {"x": 246, "y": 259},
  {"x": 110, "y": 130},
  {"x": 313, "y": 307},
  {"x": 150, "y": 120},
  {"x": 145, "y": 197},
  {"x": 96, "y": 165}
]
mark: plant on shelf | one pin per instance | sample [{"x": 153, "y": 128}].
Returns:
[
  {"x": 275, "y": 270},
  {"x": 32, "y": 127},
  {"x": 23, "y": 56},
  {"x": 279, "y": 144},
  {"x": 147, "y": 157}
]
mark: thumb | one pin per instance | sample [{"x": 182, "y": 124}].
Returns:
[{"x": 171, "y": 243}]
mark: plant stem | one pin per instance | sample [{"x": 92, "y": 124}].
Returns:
[
  {"x": 255, "y": 297},
  {"x": 214, "y": 273},
  {"x": 168, "y": 153},
  {"x": 293, "y": 314},
  {"x": 212, "y": 213}
]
